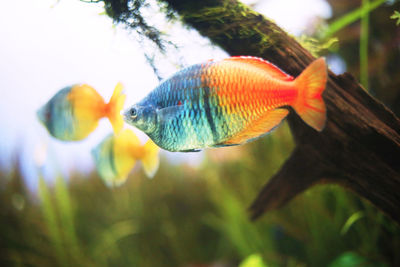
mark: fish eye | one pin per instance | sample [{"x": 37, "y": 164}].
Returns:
[{"x": 133, "y": 112}]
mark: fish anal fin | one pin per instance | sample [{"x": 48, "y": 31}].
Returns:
[
  {"x": 259, "y": 127},
  {"x": 261, "y": 63}
]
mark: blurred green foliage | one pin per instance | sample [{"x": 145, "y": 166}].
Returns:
[
  {"x": 350, "y": 17},
  {"x": 189, "y": 216},
  {"x": 396, "y": 16},
  {"x": 369, "y": 45}
]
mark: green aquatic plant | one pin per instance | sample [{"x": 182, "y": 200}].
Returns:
[
  {"x": 59, "y": 218},
  {"x": 362, "y": 13},
  {"x": 315, "y": 46},
  {"x": 66, "y": 217},
  {"x": 396, "y": 16},
  {"x": 350, "y": 221},
  {"x": 254, "y": 260},
  {"x": 225, "y": 17},
  {"x": 364, "y": 35},
  {"x": 50, "y": 219},
  {"x": 189, "y": 215},
  {"x": 350, "y": 17}
]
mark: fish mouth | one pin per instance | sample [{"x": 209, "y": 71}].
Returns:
[
  {"x": 125, "y": 115},
  {"x": 41, "y": 115}
]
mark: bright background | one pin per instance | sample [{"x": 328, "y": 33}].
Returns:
[
  {"x": 53, "y": 44},
  {"x": 194, "y": 212}
]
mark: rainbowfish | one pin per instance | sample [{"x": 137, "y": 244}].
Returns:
[
  {"x": 73, "y": 113},
  {"x": 117, "y": 154},
  {"x": 228, "y": 102}
]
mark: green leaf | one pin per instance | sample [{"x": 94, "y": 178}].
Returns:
[
  {"x": 350, "y": 17},
  {"x": 348, "y": 259},
  {"x": 350, "y": 221},
  {"x": 315, "y": 46},
  {"x": 50, "y": 219},
  {"x": 364, "y": 35},
  {"x": 66, "y": 215},
  {"x": 254, "y": 260},
  {"x": 396, "y": 15}
]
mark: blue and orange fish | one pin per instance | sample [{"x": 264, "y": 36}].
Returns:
[
  {"x": 117, "y": 154},
  {"x": 228, "y": 102},
  {"x": 73, "y": 113}
]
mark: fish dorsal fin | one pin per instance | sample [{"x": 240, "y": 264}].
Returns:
[
  {"x": 270, "y": 68},
  {"x": 259, "y": 127}
]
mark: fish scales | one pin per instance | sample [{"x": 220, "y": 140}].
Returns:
[
  {"x": 64, "y": 108},
  {"x": 215, "y": 82},
  {"x": 196, "y": 99},
  {"x": 212, "y": 103},
  {"x": 74, "y": 111}
]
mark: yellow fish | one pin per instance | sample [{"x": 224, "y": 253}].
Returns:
[
  {"x": 117, "y": 154},
  {"x": 74, "y": 112}
]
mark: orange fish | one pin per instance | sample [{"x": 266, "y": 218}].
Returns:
[
  {"x": 228, "y": 102},
  {"x": 73, "y": 113}
]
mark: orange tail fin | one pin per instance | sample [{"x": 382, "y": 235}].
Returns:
[
  {"x": 114, "y": 108},
  {"x": 310, "y": 84}
]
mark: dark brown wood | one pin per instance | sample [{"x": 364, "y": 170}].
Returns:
[{"x": 360, "y": 145}]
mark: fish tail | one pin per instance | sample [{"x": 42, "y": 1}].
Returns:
[
  {"x": 309, "y": 104},
  {"x": 150, "y": 160},
  {"x": 114, "y": 107}
]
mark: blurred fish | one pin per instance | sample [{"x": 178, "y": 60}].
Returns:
[
  {"x": 228, "y": 102},
  {"x": 117, "y": 154},
  {"x": 73, "y": 113}
]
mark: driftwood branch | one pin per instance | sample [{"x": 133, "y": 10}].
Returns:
[
  {"x": 296, "y": 175},
  {"x": 360, "y": 145}
]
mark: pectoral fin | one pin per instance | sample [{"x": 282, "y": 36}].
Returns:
[
  {"x": 263, "y": 125},
  {"x": 170, "y": 113}
]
